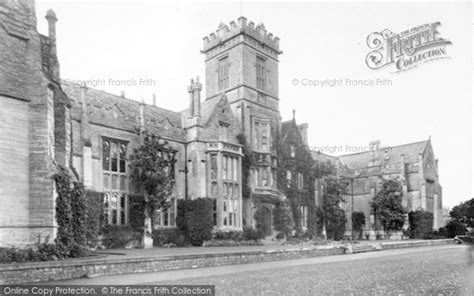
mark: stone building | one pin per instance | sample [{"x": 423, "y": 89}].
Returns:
[
  {"x": 34, "y": 129},
  {"x": 414, "y": 164},
  {"x": 46, "y": 122}
]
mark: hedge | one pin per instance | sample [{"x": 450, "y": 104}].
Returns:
[
  {"x": 195, "y": 220},
  {"x": 421, "y": 224},
  {"x": 168, "y": 237}
]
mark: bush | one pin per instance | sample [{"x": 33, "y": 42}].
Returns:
[
  {"x": 168, "y": 237},
  {"x": 454, "y": 228},
  {"x": 433, "y": 235},
  {"x": 282, "y": 218},
  {"x": 358, "y": 222},
  {"x": 251, "y": 233},
  {"x": 118, "y": 236},
  {"x": 42, "y": 252},
  {"x": 315, "y": 221},
  {"x": 228, "y": 235},
  {"x": 421, "y": 224},
  {"x": 195, "y": 220}
]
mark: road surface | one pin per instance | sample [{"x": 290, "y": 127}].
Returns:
[{"x": 440, "y": 270}]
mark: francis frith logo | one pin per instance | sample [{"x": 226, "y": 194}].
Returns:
[{"x": 407, "y": 49}]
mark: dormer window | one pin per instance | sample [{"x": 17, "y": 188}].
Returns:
[{"x": 292, "y": 150}]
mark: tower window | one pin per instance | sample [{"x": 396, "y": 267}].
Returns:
[
  {"x": 223, "y": 73},
  {"x": 260, "y": 67}
]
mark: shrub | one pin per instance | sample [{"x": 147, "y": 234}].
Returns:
[
  {"x": 168, "y": 237},
  {"x": 251, "y": 233},
  {"x": 42, "y": 252},
  {"x": 195, "y": 220},
  {"x": 421, "y": 224},
  {"x": 433, "y": 235},
  {"x": 228, "y": 235},
  {"x": 358, "y": 222},
  {"x": 118, "y": 236},
  {"x": 315, "y": 221},
  {"x": 454, "y": 228},
  {"x": 282, "y": 218}
]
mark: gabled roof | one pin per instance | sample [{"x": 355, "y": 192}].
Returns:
[
  {"x": 389, "y": 155},
  {"x": 288, "y": 126},
  {"x": 207, "y": 109}
]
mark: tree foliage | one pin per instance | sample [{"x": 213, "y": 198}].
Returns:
[
  {"x": 282, "y": 218},
  {"x": 464, "y": 213},
  {"x": 335, "y": 217},
  {"x": 152, "y": 170},
  {"x": 387, "y": 205}
]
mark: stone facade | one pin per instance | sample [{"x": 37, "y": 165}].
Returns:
[
  {"x": 413, "y": 164},
  {"x": 29, "y": 95},
  {"x": 46, "y": 122}
]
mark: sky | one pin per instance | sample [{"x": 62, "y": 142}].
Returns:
[{"x": 154, "y": 47}]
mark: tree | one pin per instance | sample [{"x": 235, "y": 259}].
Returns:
[
  {"x": 335, "y": 218},
  {"x": 152, "y": 170},
  {"x": 387, "y": 205},
  {"x": 464, "y": 213}
]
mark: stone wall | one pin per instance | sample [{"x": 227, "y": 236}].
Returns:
[
  {"x": 46, "y": 271},
  {"x": 23, "y": 79}
]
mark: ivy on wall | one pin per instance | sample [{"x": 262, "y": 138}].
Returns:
[{"x": 246, "y": 162}]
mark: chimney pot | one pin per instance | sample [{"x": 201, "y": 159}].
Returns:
[{"x": 122, "y": 94}]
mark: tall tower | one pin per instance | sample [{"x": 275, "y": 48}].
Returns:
[{"x": 242, "y": 62}]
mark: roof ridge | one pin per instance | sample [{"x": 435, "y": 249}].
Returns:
[
  {"x": 116, "y": 96},
  {"x": 385, "y": 147}
]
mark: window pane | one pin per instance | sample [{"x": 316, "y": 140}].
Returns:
[
  {"x": 214, "y": 188},
  {"x": 114, "y": 156},
  {"x": 235, "y": 169},
  {"x": 114, "y": 182},
  {"x": 122, "y": 217},
  {"x": 105, "y": 181},
  {"x": 105, "y": 155},
  {"x": 213, "y": 167},
  {"x": 123, "y": 183}
]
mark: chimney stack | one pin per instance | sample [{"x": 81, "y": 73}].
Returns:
[
  {"x": 52, "y": 19},
  {"x": 197, "y": 87},
  {"x": 53, "y": 58},
  {"x": 304, "y": 133},
  {"x": 122, "y": 94},
  {"x": 154, "y": 99},
  {"x": 374, "y": 145},
  {"x": 191, "y": 98}
]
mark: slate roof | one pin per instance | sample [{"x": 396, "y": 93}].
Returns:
[
  {"x": 389, "y": 155},
  {"x": 207, "y": 109},
  {"x": 119, "y": 112},
  {"x": 286, "y": 127}
]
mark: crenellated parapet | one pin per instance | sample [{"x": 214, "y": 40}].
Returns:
[{"x": 256, "y": 33}]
